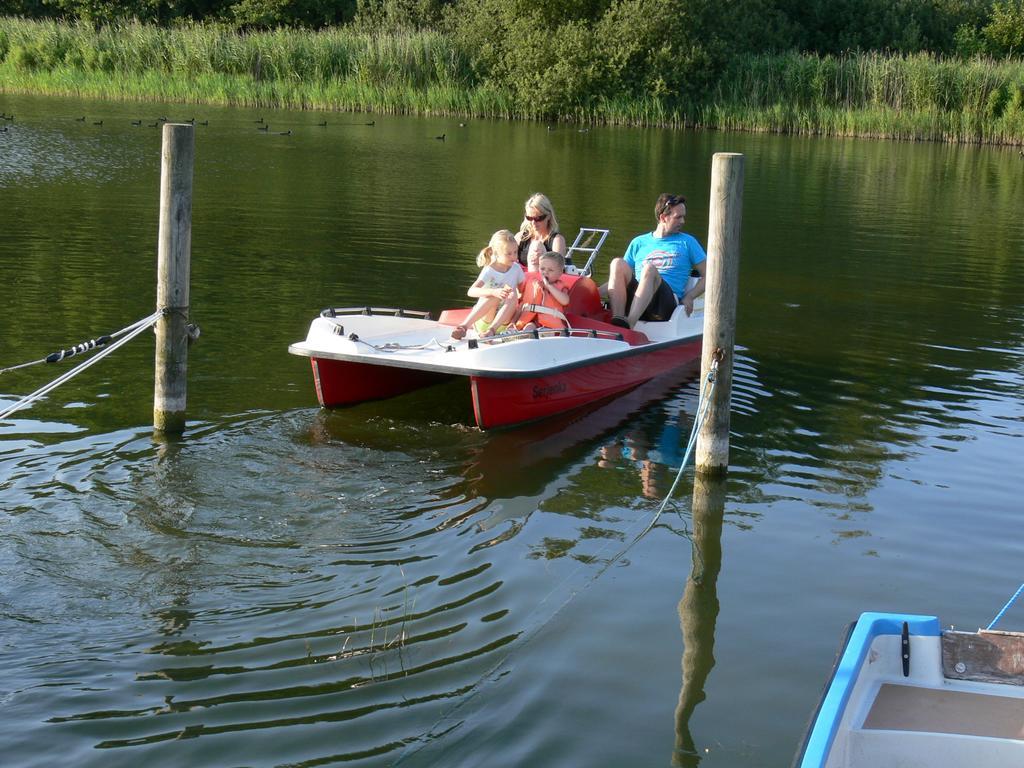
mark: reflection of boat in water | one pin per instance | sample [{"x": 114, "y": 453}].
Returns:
[
  {"x": 518, "y": 463},
  {"x": 537, "y": 451},
  {"x": 904, "y": 692},
  {"x": 370, "y": 354}
]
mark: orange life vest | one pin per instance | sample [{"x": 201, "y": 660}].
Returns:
[{"x": 535, "y": 294}]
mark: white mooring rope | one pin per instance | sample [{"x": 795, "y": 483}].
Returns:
[{"x": 126, "y": 334}]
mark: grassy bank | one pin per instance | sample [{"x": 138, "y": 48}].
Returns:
[
  {"x": 916, "y": 97},
  {"x": 335, "y": 69}
]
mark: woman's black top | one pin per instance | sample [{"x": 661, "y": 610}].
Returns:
[{"x": 524, "y": 246}]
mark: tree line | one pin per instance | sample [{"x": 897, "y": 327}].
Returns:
[
  {"x": 945, "y": 27},
  {"x": 576, "y": 57}
]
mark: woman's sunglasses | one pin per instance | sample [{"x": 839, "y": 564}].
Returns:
[{"x": 536, "y": 218}]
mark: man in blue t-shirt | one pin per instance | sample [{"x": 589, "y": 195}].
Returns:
[{"x": 650, "y": 281}]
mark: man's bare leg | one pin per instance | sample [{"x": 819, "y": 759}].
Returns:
[
  {"x": 649, "y": 281},
  {"x": 619, "y": 275}
]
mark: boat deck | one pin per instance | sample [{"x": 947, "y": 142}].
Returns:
[
  {"x": 914, "y": 727},
  {"x": 929, "y": 710},
  {"x": 421, "y": 344}
]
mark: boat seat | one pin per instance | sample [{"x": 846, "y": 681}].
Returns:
[
  {"x": 913, "y": 749},
  {"x": 453, "y": 316},
  {"x": 912, "y": 708},
  {"x": 584, "y": 297},
  {"x": 921, "y": 727},
  {"x": 584, "y": 301}
]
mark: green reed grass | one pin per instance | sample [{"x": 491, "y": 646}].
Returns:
[{"x": 919, "y": 97}]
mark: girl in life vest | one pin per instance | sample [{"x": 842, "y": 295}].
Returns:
[{"x": 545, "y": 296}]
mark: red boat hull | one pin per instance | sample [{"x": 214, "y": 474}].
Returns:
[
  {"x": 505, "y": 398},
  {"x": 500, "y": 402},
  {"x": 339, "y": 382}
]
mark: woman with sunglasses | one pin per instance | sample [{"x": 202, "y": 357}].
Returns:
[{"x": 539, "y": 233}]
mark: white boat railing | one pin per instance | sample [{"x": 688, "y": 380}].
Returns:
[
  {"x": 540, "y": 333},
  {"x": 337, "y": 313},
  {"x": 368, "y": 311},
  {"x": 584, "y": 243}
]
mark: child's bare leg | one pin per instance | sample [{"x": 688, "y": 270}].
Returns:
[
  {"x": 505, "y": 313},
  {"x": 485, "y": 307}
]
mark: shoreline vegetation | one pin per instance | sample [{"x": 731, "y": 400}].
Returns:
[{"x": 914, "y": 96}]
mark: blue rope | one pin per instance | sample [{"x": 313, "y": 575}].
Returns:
[
  {"x": 704, "y": 402},
  {"x": 1005, "y": 607}
]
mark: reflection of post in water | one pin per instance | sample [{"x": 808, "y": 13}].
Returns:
[{"x": 698, "y": 610}]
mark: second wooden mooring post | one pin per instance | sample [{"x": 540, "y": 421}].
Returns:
[
  {"x": 174, "y": 252},
  {"x": 725, "y": 217}
]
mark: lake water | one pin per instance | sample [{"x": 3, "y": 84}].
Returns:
[{"x": 387, "y": 585}]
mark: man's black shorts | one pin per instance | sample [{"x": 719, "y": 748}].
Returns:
[{"x": 662, "y": 305}]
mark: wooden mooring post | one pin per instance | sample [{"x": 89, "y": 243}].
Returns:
[
  {"x": 725, "y": 216},
  {"x": 174, "y": 253}
]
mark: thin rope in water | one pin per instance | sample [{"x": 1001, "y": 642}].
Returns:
[
  {"x": 698, "y": 422},
  {"x": 129, "y": 333},
  {"x": 23, "y": 365},
  {"x": 1006, "y": 607}
]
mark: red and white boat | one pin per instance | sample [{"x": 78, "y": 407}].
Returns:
[{"x": 368, "y": 353}]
